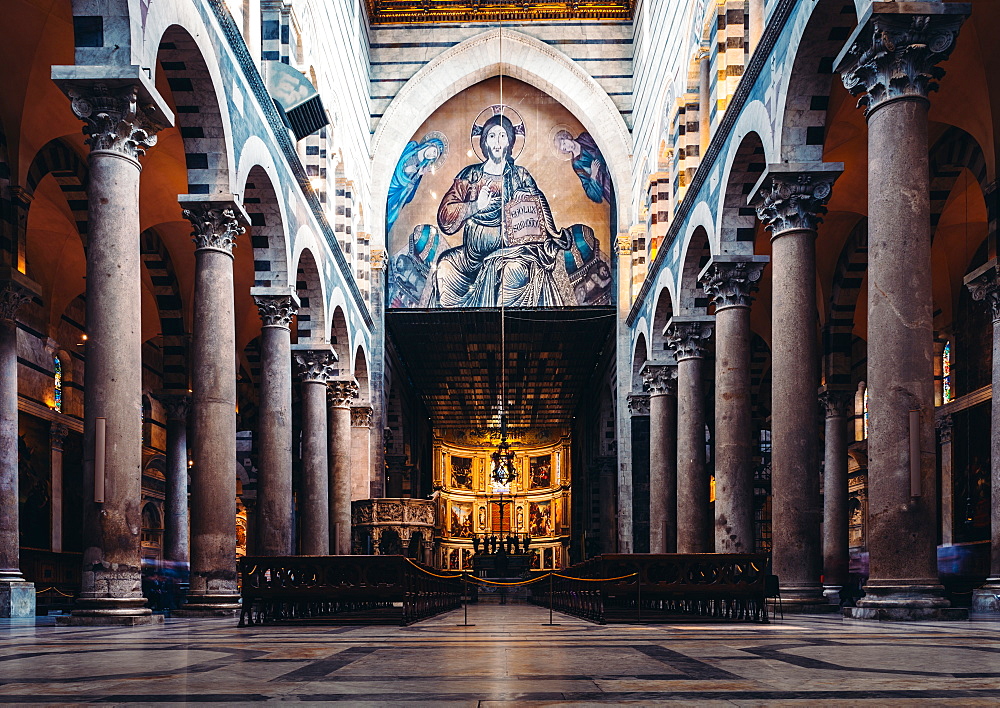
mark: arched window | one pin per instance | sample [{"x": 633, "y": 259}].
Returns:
[
  {"x": 947, "y": 393},
  {"x": 57, "y": 384}
]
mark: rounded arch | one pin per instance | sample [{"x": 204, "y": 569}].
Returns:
[
  {"x": 170, "y": 304},
  {"x": 663, "y": 310},
  {"x": 806, "y": 80},
  {"x": 640, "y": 355},
  {"x": 58, "y": 159},
  {"x": 954, "y": 150},
  {"x": 361, "y": 374},
  {"x": 476, "y": 59},
  {"x": 189, "y": 68},
  {"x": 697, "y": 251},
  {"x": 340, "y": 341},
  {"x": 269, "y": 239},
  {"x": 737, "y": 221},
  {"x": 311, "y": 318}
]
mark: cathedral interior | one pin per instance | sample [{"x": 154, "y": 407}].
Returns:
[{"x": 528, "y": 295}]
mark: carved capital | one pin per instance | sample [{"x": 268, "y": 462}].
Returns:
[
  {"x": 361, "y": 416},
  {"x": 216, "y": 224},
  {"x": 623, "y": 244},
  {"x": 894, "y": 54},
  {"x": 732, "y": 283},
  {"x": 316, "y": 365},
  {"x": 377, "y": 257},
  {"x": 793, "y": 201},
  {"x": 659, "y": 379},
  {"x": 984, "y": 285},
  {"x": 340, "y": 392},
  {"x": 638, "y": 404},
  {"x": 687, "y": 338},
  {"x": 57, "y": 435},
  {"x": 114, "y": 119},
  {"x": 276, "y": 310},
  {"x": 836, "y": 403},
  {"x": 176, "y": 405},
  {"x": 12, "y": 296},
  {"x": 944, "y": 426}
]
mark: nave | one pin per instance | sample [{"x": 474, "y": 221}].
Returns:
[{"x": 508, "y": 656}]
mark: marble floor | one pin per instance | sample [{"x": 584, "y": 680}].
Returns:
[{"x": 509, "y": 656}]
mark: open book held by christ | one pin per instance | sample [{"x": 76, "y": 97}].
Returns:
[{"x": 523, "y": 220}]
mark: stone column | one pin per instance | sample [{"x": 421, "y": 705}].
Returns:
[
  {"x": 789, "y": 200},
  {"x": 891, "y": 58},
  {"x": 944, "y": 426},
  {"x": 660, "y": 380},
  {"x": 340, "y": 393},
  {"x": 730, "y": 282},
  {"x": 686, "y": 337},
  {"x": 756, "y": 22},
  {"x": 57, "y": 437},
  {"x": 984, "y": 284},
  {"x": 376, "y": 377},
  {"x": 704, "y": 102},
  {"x": 835, "y": 542},
  {"x": 277, "y": 307},
  {"x": 17, "y": 597},
  {"x": 218, "y": 220},
  {"x": 121, "y": 117},
  {"x": 316, "y": 367},
  {"x": 361, "y": 428},
  {"x": 176, "y": 541}
]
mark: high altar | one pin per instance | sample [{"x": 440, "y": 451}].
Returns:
[{"x": 471, "y": 507}]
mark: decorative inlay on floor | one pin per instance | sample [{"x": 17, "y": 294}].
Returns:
[{"x": 508, "y": 656}]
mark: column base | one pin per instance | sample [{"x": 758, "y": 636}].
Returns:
[
  {"x": 109, "y": 611},
  {"x": 904, "y": 603},
  {"x": 209, "y": 606},
  {"x": 803, "y": 599},
  {"x": 832, "y": 594},
  {"x": 986, "y": 599},
  {"x": 17, "y": 599}
]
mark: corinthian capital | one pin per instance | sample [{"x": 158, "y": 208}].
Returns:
[
  {"x": 730, "y": 281},
  {"x": 277, "y": 306},
  {"x": 316, "y": 365},
  {"x": 340, "y": 392},
  {"x": 638, "y": 404},
  {"x": 895, "y": 50},
  {"x": 175, "y": 403},
  {"x": 984, "y": 284},
  {"x": 836, "y": 403},
  {"x": 113, "y": 120},
  {"x": 361, "y": 416},
  {"x": 377, "y": 257},
  {"x": 687, "y": 336},
  {"x": 792, "y": 197},
  {"x": 659, "y": 379},
  {"x": 217, "y": 220},
  {"x": 15, "y": 290}
]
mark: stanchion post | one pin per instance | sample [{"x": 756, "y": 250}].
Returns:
[
  {"x": 638, "y": 597},
  {"x": 551, "y": 597},
  {"x": 465, "y": 602}
]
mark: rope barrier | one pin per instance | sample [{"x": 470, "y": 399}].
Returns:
[
  {"x": 39, "y": 592},
  {"x": 594, "y": 580},
  {"x": 435, "y": 575},
  {"x": 474, "y": 579}
]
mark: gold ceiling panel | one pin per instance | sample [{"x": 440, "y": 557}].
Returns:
[{"x": 386, "y": 12}]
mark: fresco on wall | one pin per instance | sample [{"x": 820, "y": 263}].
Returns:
[
  {"x": 461, "y": 519},
  {"x": 500, "y": 203},
  {"x": 540, "y": 519},
  {"x": 540, "y": 472},
  {"x": 461, "y": 472}
]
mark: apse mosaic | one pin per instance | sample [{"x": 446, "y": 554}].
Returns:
[{"x": 500, "y": 202}]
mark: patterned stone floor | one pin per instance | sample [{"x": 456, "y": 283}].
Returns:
[{"x": 509, "y": 656}]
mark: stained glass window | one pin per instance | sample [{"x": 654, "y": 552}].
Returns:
[
  {"x": 946, "y": 393},
  {"x": 864, "y": 412},
  {"x": 57, "y": 385}
]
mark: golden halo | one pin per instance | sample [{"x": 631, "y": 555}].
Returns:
[
  {"x": 552, "y": 135},
  {"x": 513, "y": 116}
]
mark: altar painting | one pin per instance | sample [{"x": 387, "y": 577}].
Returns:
[
  {"x": 500, "y": 203},
  {"x": 461, "y": 519},
  {"x": 540, "y": 518}
]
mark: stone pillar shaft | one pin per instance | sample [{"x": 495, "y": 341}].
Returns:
[
  {"x": 274, "y": 474},
  {"x": 835, "y": 541},
  {"x": 361, "y": 433},
  {"x": 57, "y": 437},
  {"x": 316, "y": 369},
  {"x": 661, "y": 383},
  {"x": 341, "y": 392},
  {"x": 685, "y": 338},
  {"x": 791, "y": 203},
  {"x": 213, "y": 378},
  {"x": 730, "y": 282},
  {"x": 176, "y": 542}
]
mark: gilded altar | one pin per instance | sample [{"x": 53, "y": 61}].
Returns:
[{"x": 473, "y": 509}]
